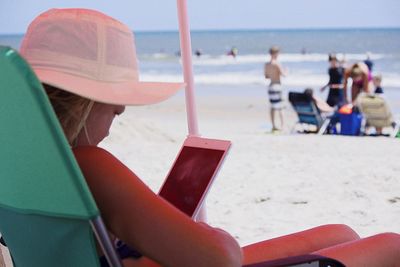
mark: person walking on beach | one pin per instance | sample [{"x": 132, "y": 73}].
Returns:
[
  {"x": 335, "y": 84},
  {"x": 154, "y": 232},
  {"x": 273, "y": 71}
]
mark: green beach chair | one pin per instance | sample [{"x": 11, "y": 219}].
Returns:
[{"x": 47, "y": 214}]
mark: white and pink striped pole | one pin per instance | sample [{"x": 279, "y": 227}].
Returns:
[{"x": 186, "y": 56}]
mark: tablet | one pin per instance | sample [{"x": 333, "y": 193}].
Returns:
[{"x": 192, "y": 173}]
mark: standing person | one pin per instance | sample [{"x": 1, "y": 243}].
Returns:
[
  {"x": 377, "y": 80},
  {"x": 361, "y": 80},
  {"x": 274, "y": 71},
  {"x": 88, "y": 84},
  {"x": 335, "y": 83},
  {"x": 368, "y": 61}
]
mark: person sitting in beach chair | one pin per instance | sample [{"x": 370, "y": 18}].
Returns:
[
  {"x": 86, "y": 97},
  {"x": 311, "y": 110},
  {"x": 49, "y": 221},
  {"x": 377, "y": 113}
]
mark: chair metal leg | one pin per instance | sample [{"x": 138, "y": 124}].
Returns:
[
  {"x": 396, "y": 129},
  {"x": 105, "y": 242},
  {"x": 293, "y": 130},
  {"x": 323, "y": 127}
]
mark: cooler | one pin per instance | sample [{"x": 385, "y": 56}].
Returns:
[{"x": 350, "y": 124}]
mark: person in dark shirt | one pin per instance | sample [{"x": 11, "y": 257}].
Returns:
[
  {"x": 335, "y": 84},
  {"x": 369, "y": 62}
]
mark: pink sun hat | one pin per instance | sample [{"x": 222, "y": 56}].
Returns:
[{"x": 90, "y": 54}]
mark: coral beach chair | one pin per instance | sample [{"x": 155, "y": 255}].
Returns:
[
  {"x": 377, "y": 113},
  {"x": 308, "y": 113},
  {"x": 48, "y": 216}
]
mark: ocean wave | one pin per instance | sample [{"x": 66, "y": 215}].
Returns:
[
  {"x": 242, "y": 78},
  {"x": 210, "y": 60}
]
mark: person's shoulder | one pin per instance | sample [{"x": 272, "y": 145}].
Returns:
[
  {"x": 93, "y": 150},
  {"x": 273, "y": 65},
  {"x": 93, "y": 154},
  {"x": 97, "y": 162}
]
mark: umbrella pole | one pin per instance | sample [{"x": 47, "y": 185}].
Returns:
[{"x": 186, "y": 56}]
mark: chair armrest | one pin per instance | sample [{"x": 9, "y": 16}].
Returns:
[{"x": 308, "y": 260}]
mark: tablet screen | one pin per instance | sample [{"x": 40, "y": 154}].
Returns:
[{"x": 190, "y": 176}]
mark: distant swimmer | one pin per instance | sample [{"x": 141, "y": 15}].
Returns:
[
  {"x": 198, "y": 52},
  {"x": 233, "y": 52}
]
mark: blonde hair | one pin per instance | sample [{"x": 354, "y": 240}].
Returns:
[
  {"x": 356, "y": 71},
  {"x": 72, "y": 111},
  {"x": 378, "y": 77},
  {"x": 274, "y": 50}
]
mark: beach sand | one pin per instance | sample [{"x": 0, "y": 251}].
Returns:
[{"x": 270, "y": 184}]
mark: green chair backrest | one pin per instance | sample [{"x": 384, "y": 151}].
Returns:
[{"x": 45, "y": 204}]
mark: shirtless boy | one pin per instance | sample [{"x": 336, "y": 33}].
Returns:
[{"x": 273, "y": 71}]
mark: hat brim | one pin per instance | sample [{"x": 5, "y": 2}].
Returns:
[{"x": 122, "y": 93}]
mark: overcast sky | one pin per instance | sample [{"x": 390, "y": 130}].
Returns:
[{"x": 155, "y": 15}]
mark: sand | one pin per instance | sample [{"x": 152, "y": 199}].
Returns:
[{"x": 270, "y": 184}]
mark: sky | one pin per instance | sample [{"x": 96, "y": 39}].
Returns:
[{"x": 160, "y": 15}]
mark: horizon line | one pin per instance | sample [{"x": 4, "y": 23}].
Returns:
[{"x": 251, "y": 29}]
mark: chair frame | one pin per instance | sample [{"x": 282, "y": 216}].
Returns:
[{"x": 322, "y": 123}]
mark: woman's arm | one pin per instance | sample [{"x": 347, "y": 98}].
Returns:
[
  {"x": 367, "y": 84},
  {"x": 143, "y": 220},
  {"x": 324, "y": 87}
]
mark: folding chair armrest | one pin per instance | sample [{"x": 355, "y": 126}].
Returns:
[
  {"x": 105, "y": 242},
  {"x": 302, "y": 260}
]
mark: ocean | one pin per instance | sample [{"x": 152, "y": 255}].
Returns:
[{"x": 303, "y": 52}]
